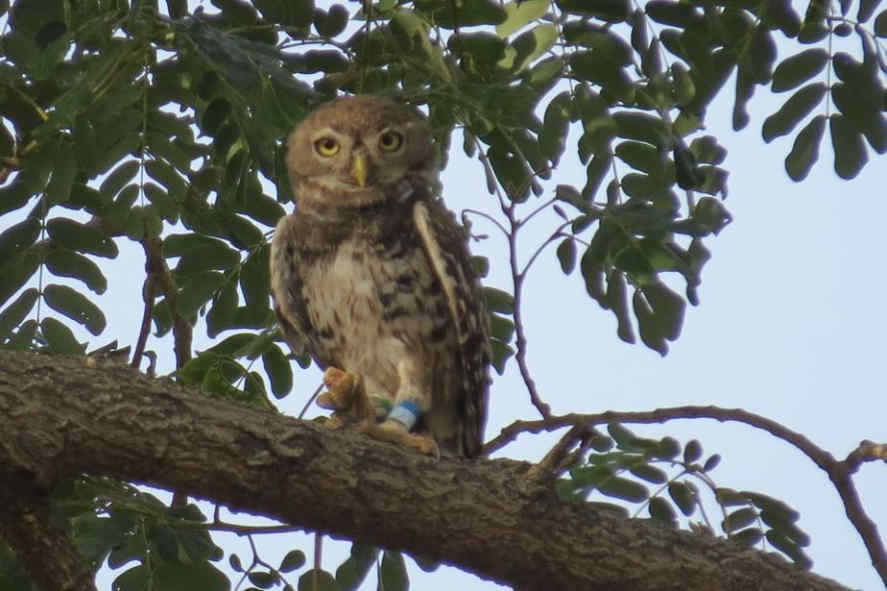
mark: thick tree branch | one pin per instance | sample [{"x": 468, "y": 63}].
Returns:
[{"x": 61, "y": 416}]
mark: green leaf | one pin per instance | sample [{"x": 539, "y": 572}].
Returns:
[
  {"x": 739, "y": 519},
  {"x": 566, "y": 255},
  {"x": 498, "y": 301},
  {"x": 649, "y": 473},
  {"x": 617, "y": 300},
  {"x": 197, "y": 291},
  {"x": 279, "y": 371},
  {"x": 261, "y": 579},
  {"x": 13, "y": 315},
  {"x": 849, "y": 148},
  {"x": 324, "y": 581},
  {"x": 789, "y": 548},
  {"x": 797, "y": 69},
  {"x": 18, "y": 237},
  {"x": 519, "y": 14},
  {"x": 67, "y": 263},
  {"x": 60, "y": 338},
  {"x": 661, "y": 511},
  {"x": 64, "y": 172},
  {"x": 555, "y": 126},
  {"x": 354, "y": 570},
  {"x": 678, "y": 14},
  {"x": 394, "y": 572},
  {"x": 625, "y": 489},
  {"x": 683, "y": 496},
  {"x": 117, "y": 179},
  {"x": 294, "y": 559},
  {"x": 613, "y": 11},
  {"x": 16, "y": 272},
  {"x": 748, "y": 537},
  {"x": 668, "y": 448},
  {"x": 795, "y": 108},
  {"x": 199, "y": 253},
  {"x": 881, "y": 24},
  {"x": 692, "y": 451},
  {"x": 171, "y": 576},
  {"x": 623, "y": 437},
  {"x": 642, "y": 127},
  {"x": 75, "y": 306},
  {"x": 81, "y": 237}
]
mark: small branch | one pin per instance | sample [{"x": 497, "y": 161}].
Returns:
[
  {"x": 839, "y": 472},
  {"x": 152, "y": 268},
  {"x": 249, "y": 530}
]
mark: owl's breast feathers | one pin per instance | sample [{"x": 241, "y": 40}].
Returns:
[{"x": 355, "y": 287}]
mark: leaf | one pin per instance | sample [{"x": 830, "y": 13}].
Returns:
[
  {"x": 649, "y": 473},
  {"x": 64, "y": 172},
  {"x": 566, "y": 255},
  {"x": 797, "y": 69},
  {"x": 75, "y": 306},
  {"x": 795, "y": 108},
  {"x": 324, "y": 581},
  {"x": 197, "y": 291},
  {"x": 739, "y": 519},
  {"x": 199, "y": 253},
  {"x": 353, "y": 571},
  {"x": 613, "y": 11},
  {"x": 279, "y": 371},
  {"x": 677, "y": 14},
  {"x": 117, "y": 179},
  {"x": 394, "y": 572},
  {"x": 625, "y": 489},
  {"x": 848, "y": 145},
  {"x": 661, "y": 511},
  {"x": 16, "y": 272},
  {"x": 498, "y": 301},
  {"x": 642, "y": 127},
  {"x": 519, "y": 14},
  {"x": 60, "y": 338},
  {"x": 683, "y": 496},
  {"x": 692, "y": 451},
  {"x": 67, "y": 263},
  {"x": 18, "y": 237},
  {"x": 81, "y": 237},
  {"x": 555, "y": 126},
  {"x": 13, "y": 315}
]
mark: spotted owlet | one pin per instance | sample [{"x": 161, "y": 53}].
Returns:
[{"x": 371, "y": 275}]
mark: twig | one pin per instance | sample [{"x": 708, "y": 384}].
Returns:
[
  {"x": 248, "y": 530},
  {"x": 152, "y": 268},
  {"x": 839, "y": 472},
  {"x": 517, "y": 279}
]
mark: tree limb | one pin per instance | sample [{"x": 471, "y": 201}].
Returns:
[{"x": 62, "y": 416}]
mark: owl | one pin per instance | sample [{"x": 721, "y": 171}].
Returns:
[{"x": 371, "y": 275}]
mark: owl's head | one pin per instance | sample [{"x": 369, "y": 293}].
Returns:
[{"x": 358, "y": 150}]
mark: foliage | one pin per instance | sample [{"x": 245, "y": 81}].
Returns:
[{"x": 161, "y": 125}]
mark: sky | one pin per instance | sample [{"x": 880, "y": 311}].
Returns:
[{"x": 790, "y": 326}]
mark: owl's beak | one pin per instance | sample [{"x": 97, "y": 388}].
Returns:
[{"x": 360, "y": 169}]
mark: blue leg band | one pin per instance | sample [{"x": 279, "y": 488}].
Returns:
[{"x": 406, "y": 413}]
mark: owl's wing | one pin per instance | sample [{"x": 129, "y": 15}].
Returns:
[
  {"x": 286, "y": 287},
  {"x": 445, "y": 244}
]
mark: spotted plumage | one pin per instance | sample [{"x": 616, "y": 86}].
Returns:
[{"x": 371, "y": 273}]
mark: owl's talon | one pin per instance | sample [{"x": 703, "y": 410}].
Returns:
[
  {"x": 395, "y": 432},
  {"x": 341, "y": 386}
]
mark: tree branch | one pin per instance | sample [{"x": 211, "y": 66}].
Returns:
[{"x": 61, "y": 416}]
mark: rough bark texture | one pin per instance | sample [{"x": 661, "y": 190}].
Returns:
[{"x": 62, "y": 416}]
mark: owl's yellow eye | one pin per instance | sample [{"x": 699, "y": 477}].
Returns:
[
  {"x": 326, "y": 146},
  {"x": 390, "y": 141}
]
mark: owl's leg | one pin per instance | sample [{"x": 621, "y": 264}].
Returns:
[{"x": 411, "y": 401}]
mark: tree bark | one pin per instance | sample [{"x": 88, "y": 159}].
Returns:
[{"x": 61, "y": 416}]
